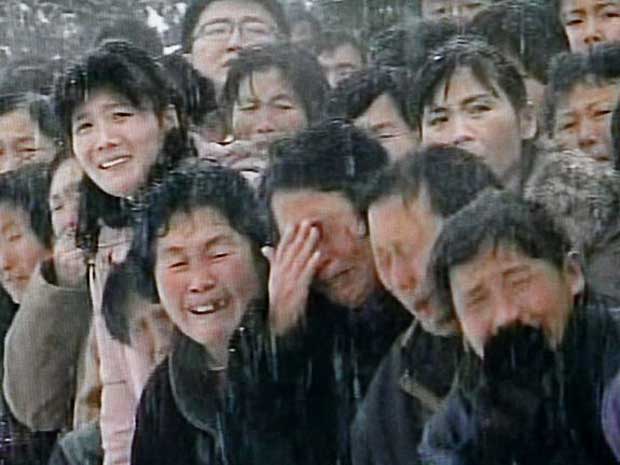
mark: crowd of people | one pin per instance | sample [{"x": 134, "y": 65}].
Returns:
[{"x": 285, "y": 245}]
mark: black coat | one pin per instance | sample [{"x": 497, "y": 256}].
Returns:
[
  {"x": 407, "y": 390},
  {"x": 469, "y": 429}
]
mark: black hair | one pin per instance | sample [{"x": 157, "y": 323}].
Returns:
[
  {"x": 409, "y": 46},
  {"x": 195, "y": 9},
  {"x": 355, "y": 94},
  {"x": 33, "y": 74},
  {"x": 333, "y": 156},
  {"x": 28, "y": 188},
  {"x": 130, "y": 71},
  {"x": 298, "y": 66},
  {"x": 615, "y": 136},
  {"x": 40, "y": 109},
  {"x": 131, "y": 30},
  {"x": 452, "y": 177},
  {"x": 196, "y": 92},
  {"x": 194, "y": 184},
  {"x": 599, "y": 67},
  {"x": 487, "y": 64},
  {"x": 518, "y": 28},
  {"x": 495, "y": 218},
  {"x": 331, "y": 40},
  {"x": 120, "y": 67}
]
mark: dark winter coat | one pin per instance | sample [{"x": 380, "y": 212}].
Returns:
[
  {"x": 468, "y": 427},
  {"x": 406, "y": 391}
]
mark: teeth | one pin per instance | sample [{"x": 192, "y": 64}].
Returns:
[
  {"x": 111, "y": 163},
  {"x": 204, "y": 308}
]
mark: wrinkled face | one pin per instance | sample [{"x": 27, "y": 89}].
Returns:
[
  {"x": 501, "y": 286},
  {"x": 115, "y": 142},
  {"x": 340, "y": 63},
  {"x": 224, "y": 28},
  {"x": 384, "y": 121},
  {"x": 346, "y": 272},
  {"x": 206, "y": 275},
  {"x": 583, "y": 120},
  {"x": 589, "y": 22},
  {"x": 64, "y": 198},
  {"x": 462, "y": 10},
  {"x": 21, "y": 141},
  {"x": 465, "y": 113},
  {"x": 402, "y": 235},
  {"x": 267, "y": 108},
  {"x": 20, "y": 250}
]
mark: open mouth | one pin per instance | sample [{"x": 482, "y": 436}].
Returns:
[
  {"x": 208, "y": 307},
  {"x": 114, "y": 162}
]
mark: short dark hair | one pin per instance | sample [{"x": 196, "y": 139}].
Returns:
[
  {"x": 297, "y": 65},
  {"x": 495, "y": 218},
  {"x": 194, "y": 184},
  {"x": 40, "y": 109},
  {"x": 134, "y": 31},
  {"x": 121, "y": 67},
  {"x": 333, "y": 156},
  {"x": 598, "y": 67},
  {"x": 355, "y": 94},
  {"x": 28, "y": 189},
  {"x": 451, "y": 176},
  {"x": 331, "y": 40},
  {"x": 196, "y": 92},
  {"x": 195, "y": 9},
  {"x": 487, "y": 64},
  {"x": 519, "y": 27},
  {"x": 409, "y": 46}
]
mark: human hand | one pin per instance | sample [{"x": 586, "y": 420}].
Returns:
[
  {"x": 69, "y": 262},
  {"x": 293, "y": 266}
]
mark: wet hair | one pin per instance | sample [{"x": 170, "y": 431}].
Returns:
[
  {"x": 486, "y": 63},
  {"x": 120, "y": 67},
  {"x": 134, "y": 31},
  {"x": 331, "y": 40},
  {"x": 28, "y": 189},
  {"x": 195, "y": 9},
  {"x": 599, "y": 67},
  {"x": 196, "y": 92},
  {"x": 355, "y": 94},
  {"x": 573, "y": 186},
  {"x": 452, "y": 177},
  {"x": 409, "y": 46},
  {"x": 518, "y": 28},
  {"x": 195, "y": 184},
  {"x": 333, "y": 156},
  {"x": 496, "y": 219},
  {"x": 298, "y": 66}
]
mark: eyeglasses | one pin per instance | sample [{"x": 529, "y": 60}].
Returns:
[{"x": 222, "y": 30}]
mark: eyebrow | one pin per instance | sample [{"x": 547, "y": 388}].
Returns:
[
  {"x": 515, "y": 270},
  {"x": 4, "y": 227},
  {"x": 106, "y": 106},
  {"x": 243, "y": 19},
  {"x": 213, "y": 241}
]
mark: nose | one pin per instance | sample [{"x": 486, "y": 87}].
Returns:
[
  {"x": 403, "y": 275},
  {"x": 506, "y": 313},
  {"x": 586, "y": 138},
  {"x": 105, "y": 137},
  {"x": 235, "y": 40},
  {"x": 460, "y": 133},
  {"x": 202, "y": 280},
  {"x": 264, "y": 123},
  {"x": 6, "y": 262},
  {"x": 593, "y": 35}
]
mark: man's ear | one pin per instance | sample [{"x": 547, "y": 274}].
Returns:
[
  {"x": 170, "y": 118},
  {"x": 528, "y": 122},
  {"x": 573, "y": 271}
]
